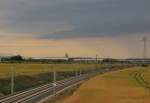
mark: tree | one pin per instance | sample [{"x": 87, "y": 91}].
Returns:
[
  {"x": 67, "y": 55},
  {"x": 16, "y": 58}
]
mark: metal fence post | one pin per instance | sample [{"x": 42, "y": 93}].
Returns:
[
  {"x": 12, "y": 80},
  {"x": 80, "y": 72},
  {"x": 54, "y": 82},
  {"x": 76, "y": 74},
  {"x": 96, "y": 62}
]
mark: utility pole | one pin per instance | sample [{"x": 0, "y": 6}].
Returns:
[
  {"x": 54, "y": 82},
  {"x": 12, "y": 80},
  {"x": 96, "y": 61},
  {"x": 76, "y": 74},
  {"x": 80, "y": 72},
  {"x": 76, "y": 71},
  {"x": 145, "y": 47}
]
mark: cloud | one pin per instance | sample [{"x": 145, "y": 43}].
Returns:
[
  {"x": 74, "y": 18},
  {"x": 79, "y": 27}
]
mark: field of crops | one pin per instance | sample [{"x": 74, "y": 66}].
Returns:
[
  {"x": 33, "y": 75},
  {"x": 125, "y": 86},
  {"x": 31, "y": 69}
]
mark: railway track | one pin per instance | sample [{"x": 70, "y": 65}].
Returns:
[
  {"x": 36, "y": 94},
  {"x": 13, "y": 98}
]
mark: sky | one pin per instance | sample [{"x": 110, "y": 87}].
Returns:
[{"x": 42, "y": 28}]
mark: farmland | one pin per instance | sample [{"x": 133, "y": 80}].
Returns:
[
  {"x": 31, "y": 69},
  {"x": 125, "y": 86},
  {"x": 33, "y": 75}
]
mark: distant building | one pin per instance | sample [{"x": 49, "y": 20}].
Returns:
[
  {"x": 139, "y": 60},
  {"x": 82, "y": 59},
  {"x": 51, "y": 58}
]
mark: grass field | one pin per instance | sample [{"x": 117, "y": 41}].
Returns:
[
  {"x": 125, "y": 86},
  {"x": 31, "y": 69},
  {"x": 33, "y": 75}
]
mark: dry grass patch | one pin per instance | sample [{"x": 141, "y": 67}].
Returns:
[{"x": 114, "y": 87}]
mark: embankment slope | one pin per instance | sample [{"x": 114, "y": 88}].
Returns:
[{"x": 115, "y": 87}]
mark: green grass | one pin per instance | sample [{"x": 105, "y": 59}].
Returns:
[
  {"x": 32, "y": 75},
  {"x": 31, "y": 69}
]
